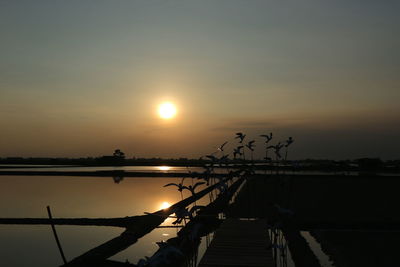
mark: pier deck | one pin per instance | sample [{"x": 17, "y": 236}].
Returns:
[{"x": 239, "y": 243}]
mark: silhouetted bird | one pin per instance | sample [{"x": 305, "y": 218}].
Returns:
[
  {"x": 221, "y": 147},
  {"x": 250, "y": 145},
  {"x": 241, "y": 136},
  {"x": 268, "y": 137},
  {"x": 180, "y": 186},
  {"x": 193, "y": 188},
  {"x": 237, "y": 151},
  {"x": 277, "y": 149},
  {"x": 289, "y": 141}
]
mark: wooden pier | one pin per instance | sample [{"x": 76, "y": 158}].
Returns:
[{"x": 240, "y": 243}]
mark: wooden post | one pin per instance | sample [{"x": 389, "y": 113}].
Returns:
[{"x": 55, "y": 235}]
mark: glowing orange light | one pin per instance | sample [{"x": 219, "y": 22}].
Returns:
[
  {"x": 165, "y": 205},
  {"x": 167, "y": 110}
]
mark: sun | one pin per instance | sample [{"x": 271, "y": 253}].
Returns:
[{"x": 167, "y": 110}]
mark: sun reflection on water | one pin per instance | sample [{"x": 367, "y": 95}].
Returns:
[
  {"x": 164, "y": 168},
  {"x": 165, "y": 205}
]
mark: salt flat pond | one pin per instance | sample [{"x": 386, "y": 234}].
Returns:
[
  {"x": 78, "y": 197},
  {"x": 341, "y": 200}
]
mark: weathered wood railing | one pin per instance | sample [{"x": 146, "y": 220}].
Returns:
[
  {"x": 141, "y": 226},
  {"x": 188, "y": 238},
  {"x": 135, "y": 226}
]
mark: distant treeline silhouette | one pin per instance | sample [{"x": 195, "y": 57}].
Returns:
[{"x": 118, "y": 159}]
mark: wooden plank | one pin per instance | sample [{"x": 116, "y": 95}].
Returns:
[{"x": 240, "y": 243}]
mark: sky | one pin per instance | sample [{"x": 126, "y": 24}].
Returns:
[{"x": 82, "y": 78}]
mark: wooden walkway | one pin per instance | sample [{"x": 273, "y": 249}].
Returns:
[{"x": 239, "y": 243}]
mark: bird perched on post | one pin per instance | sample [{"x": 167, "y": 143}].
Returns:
[
  {"x": 289, "y": 141},
  {"x": 241, "y": 136},
  {"x": 268, "y": 137},
  {"x": 221, "y": 147},
  {"x": 250, "y": 145},
  {"x": 180, "y": 186},
  {"x": 277, "y": 149},
  {"x": 193, "y": 188},
  {"x": 237, "y": 151}
]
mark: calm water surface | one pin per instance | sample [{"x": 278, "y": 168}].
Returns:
[
  {"x": 94, "y": 197},
  {"x": 69, "y": 197},
  {"x": 155, "y": 169}
]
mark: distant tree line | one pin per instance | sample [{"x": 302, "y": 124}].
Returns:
[{"x": 118, "y": 158}]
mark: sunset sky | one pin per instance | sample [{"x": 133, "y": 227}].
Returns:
[{"x": 82, "y": 78}]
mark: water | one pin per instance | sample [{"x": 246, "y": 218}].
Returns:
[
  {"x": 106, "y": 168},
  {"x": 162, "y": 169},
  {"x": 74, "y": 197},
  {"x": 77, "y": 197}
]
